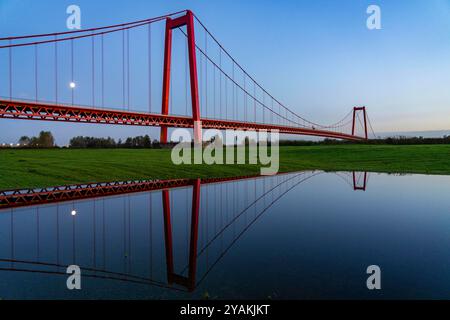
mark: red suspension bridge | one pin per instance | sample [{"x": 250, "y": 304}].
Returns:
[
  {"x": 214, "y": 213},
  {"x": 111, "y": 75}
]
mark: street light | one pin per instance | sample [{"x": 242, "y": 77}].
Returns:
[{"x": 72, "y": 86}]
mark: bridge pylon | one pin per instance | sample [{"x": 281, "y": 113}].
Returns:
[
  {"x": 355, "y": 111},
  {"x": 188, "y": 282},
  {"x": 357, "y": 185},
  {"x": 188, "y": 21}
]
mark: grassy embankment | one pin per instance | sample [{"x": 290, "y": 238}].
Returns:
[{"x": 38, "y": 168}]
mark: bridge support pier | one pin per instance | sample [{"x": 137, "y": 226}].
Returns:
[{"x": 188, "y": 21}]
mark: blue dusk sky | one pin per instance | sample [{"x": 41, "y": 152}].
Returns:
[{"x": 317, "y": 57}]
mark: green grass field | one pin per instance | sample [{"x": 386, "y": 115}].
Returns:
[{"x": 39, "y": 168}]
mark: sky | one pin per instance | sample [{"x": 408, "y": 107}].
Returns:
[{"x": 317, "y": 57}]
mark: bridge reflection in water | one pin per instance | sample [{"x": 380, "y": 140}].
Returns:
[{"x": 112, "y": 235}]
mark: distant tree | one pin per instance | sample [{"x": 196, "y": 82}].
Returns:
[
  {"x": 46, "y": 139},
  {"x": 111, "y": 142},
  {"x": 156, "y": 144},
  {"x": 128, "y": 143},
  {"x": 147, "y": 142},
  {"x": 137, "y": 142},
  {"x": 24, "y": 141},
  {"x": 34, "y": 142},
  {"x": 77, "y": 142},
  {"x": 92, "y": 142}
]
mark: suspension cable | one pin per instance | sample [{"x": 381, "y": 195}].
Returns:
[
  {"x": 45, "y": 35},
  {"x": 250, "y": 77}
]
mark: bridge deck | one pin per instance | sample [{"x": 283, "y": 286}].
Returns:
[{"x": 14, "y": 109}]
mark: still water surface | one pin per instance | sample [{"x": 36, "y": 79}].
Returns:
[{"x": 303, "y": 235}]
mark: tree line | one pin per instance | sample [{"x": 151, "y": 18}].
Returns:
[
  {"x": 130, "y": 142},
  {"x": 400, "y": 140},
  {"x": 45, "y": 139}
]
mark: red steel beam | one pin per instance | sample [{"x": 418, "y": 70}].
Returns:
[
  {"x": 194, "y": 234},
  {"x": 27, "y": 197},
  {"x": 172, "y": 277},
  {"x": 168, "y": 234},
  {"x": 166, "y": 78},
  {"x": 193, "y": 77},
  {"x": 51, "y": 112},
  {"x": 188, "y": 21}
]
